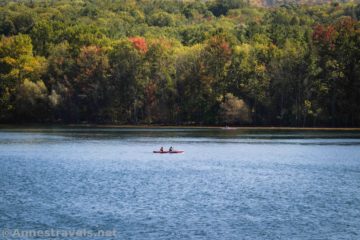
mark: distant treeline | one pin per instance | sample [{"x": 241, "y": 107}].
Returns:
[{"x": 179, "y": 62}]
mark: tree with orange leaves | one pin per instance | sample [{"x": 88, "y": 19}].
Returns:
[{"x": 139, "y": 43}]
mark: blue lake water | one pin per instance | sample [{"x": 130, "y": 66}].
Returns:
[{"x": 229, "y": 184}]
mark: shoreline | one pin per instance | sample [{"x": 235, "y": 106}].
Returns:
[{"x": 154, "y": 126}]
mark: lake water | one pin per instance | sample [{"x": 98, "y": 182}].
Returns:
[{"x": 229, "y": 184}]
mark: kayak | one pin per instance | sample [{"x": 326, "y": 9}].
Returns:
[{"x": 175, "y": 151}]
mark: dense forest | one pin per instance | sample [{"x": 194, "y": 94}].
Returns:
[{"x": 179, "y": 62}]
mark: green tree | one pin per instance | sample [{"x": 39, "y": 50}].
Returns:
[
  {"x": 249, "y": 77},
  {"x": 234, "y": 110},
  {"x": 126, "y": 63},
  {"x": 18, "y": 68},
  {"x": 161, "y": 19},
  {"x": 42, "y": 35},
  {"x": 91, "y": 82}
]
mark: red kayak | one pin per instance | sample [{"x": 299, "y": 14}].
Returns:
[{"x": 175, "y": 151}]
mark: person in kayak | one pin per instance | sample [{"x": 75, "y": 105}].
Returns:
[
  {"x": 171, "y": 149},
  {"x": 161, "y": 149}
]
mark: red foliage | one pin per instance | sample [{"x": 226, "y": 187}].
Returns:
[
  {"x": 325, "y": 35},
  {"x": 318, "y": 31},
  {"x": 90, "y": 59},
  {"x": 346, "y": 25},
  {"x": 139, "y": 43},
  {"x": 225, "y": 47},
  {"x": 221, "y": 44},
  {"x": 330, "y": 34}
]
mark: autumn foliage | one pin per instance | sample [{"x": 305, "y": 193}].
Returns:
[
  {"x": 139, "y": 43},
  {"x": 179, "y": 62},
  {"x": 325, "y": 35}
]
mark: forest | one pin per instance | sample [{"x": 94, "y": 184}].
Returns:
[{"x": 216, "y": 62}]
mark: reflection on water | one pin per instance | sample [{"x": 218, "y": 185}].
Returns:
[{"x": 229, "y": 184}]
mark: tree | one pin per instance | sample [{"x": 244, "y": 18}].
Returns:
[
  {"x": 192, "y": 94},
  {"x": 160, "y": 93},
  {"x": 41, "y": 35},
  {"x": 7, "y": 26},
  {"x": 339, "y": 49},
  {"x": 291, "y": 75},
  {"x": 31, "y": 101},
  {"x": 91, "y": 82},
  {"x": 216, "y": 59},
  {"x": 60, "y": 72},
  {"x": 161, "y": 19},
  {"x": 126, "y": 63},
  {"x": 23, "y": 23},
  {"x": 18, "y": 69},
  {"x": 234, "y": 110},
  {"x": 221, "y": 7},
  {"x": 249, "y": 77},
  {"x": 145, "y": 61}
]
